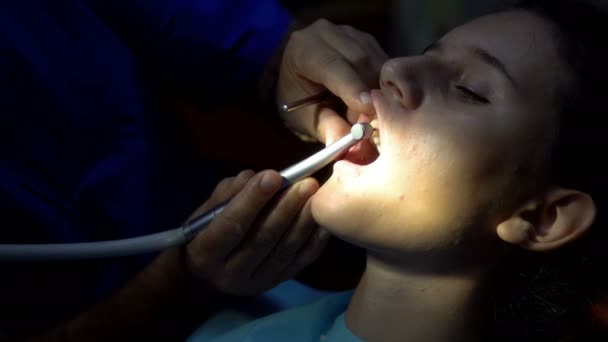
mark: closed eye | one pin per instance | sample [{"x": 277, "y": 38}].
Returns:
[{"x": 471, "y": 95}]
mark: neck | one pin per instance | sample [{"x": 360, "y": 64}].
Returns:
[{"x": 392, "y": 304}]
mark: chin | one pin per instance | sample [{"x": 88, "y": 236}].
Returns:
[
  {"x": 332, "y": 216},
  {"x": 327, "y": 206},
  {"x": 349, "y": 214}
]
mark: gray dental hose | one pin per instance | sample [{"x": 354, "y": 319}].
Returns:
[{"x": 183, "y": 234}]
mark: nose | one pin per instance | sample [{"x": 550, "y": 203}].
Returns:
[{"x": 401, "y": 77}]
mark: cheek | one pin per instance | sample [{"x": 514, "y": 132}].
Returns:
[
  {"x": 417, "y": 203},
  {"x": 428, "y": 185},
  {"x": 445, "y": 175}
]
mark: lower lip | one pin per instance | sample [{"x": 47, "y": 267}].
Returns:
[{"x": 344, "y": 167}]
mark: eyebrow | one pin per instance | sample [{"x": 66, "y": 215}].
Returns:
[{"x": 485, "y": 57}]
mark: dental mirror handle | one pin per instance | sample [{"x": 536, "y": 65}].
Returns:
[{"x": 307, "y": 101}]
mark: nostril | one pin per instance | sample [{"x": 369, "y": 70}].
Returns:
[
  {"x": 407, "y": 93},
  {"x": 392, "y": 87}
]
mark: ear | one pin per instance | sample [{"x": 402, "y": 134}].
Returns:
[{"x": 550, "y": 221}]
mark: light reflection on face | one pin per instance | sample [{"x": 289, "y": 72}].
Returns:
[{"x": 455, "y": 123}]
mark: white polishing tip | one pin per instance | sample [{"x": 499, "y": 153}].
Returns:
[{"x": 361, "y": 130}]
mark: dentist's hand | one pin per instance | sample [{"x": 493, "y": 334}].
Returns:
[
  {"x": 257, "y": 241},
  {"x": 326, "y": 56}
]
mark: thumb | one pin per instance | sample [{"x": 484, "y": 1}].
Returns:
[{"x": 331, "y": 126}]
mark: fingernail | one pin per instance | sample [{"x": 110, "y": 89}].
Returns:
[
  {"x": 306, "y": 189},
  {"x": 365, "y": 98},
  {"x": 270, "y": 182}
]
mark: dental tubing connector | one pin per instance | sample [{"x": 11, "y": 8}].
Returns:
[{"x": 181, "y": 235}]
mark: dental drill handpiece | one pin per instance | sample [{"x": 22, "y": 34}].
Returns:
[
  {"x": 177, "y": 236},
  {"x": 292, "y": 174}
]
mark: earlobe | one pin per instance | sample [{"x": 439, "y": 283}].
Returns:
[{"x": 555, "y": 219}]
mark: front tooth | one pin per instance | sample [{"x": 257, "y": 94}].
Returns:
[
  {"x": 376, "y": 134},
  {"x": 374, "y": 123}
]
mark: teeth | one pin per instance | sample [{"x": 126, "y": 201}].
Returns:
[{"x": 376, "y": 134}]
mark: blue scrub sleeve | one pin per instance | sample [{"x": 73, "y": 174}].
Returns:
[{"x": 218, "y": 47}]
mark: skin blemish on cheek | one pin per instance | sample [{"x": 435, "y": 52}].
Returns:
[{"x": 402, "y": 198}]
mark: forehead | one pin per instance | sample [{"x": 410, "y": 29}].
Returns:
[{"x": 523, "y": 42}]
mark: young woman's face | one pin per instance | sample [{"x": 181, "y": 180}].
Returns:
[{"x": 455, "y": 125}]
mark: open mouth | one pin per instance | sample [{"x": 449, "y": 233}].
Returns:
[{"x": 367, "y": 151}]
